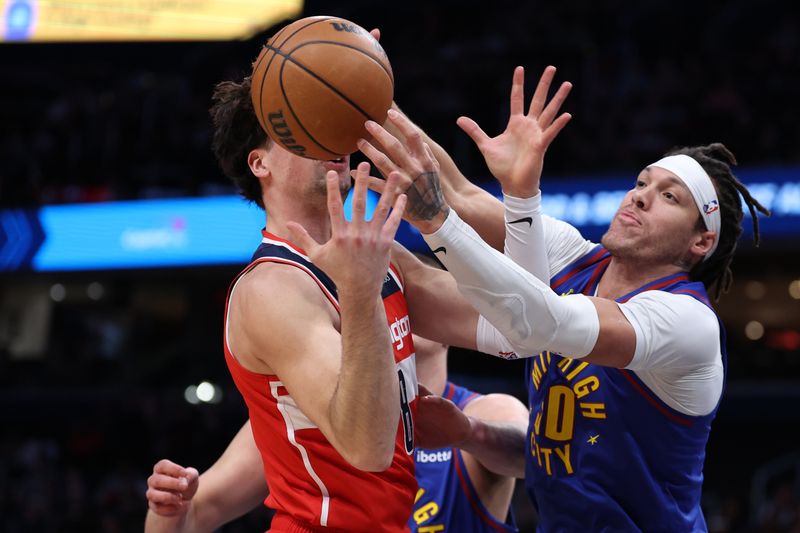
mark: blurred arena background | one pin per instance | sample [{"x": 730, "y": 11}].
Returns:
[{"x": 119, "y": 235}]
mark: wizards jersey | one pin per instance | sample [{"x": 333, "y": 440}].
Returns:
[
  {"x": 604, "y": 452},
  {"x": 446, "y": 500},
  {"x": 311, "y": 485}
]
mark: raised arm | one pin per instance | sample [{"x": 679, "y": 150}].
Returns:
[
  {"x": 340, "y": 371},
  {"x": 180, "y": 502},
  {"x": 483, "y": 211}
]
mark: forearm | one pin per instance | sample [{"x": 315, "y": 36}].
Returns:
[
  {"x": 184, "y": 523},
  {"x": 524, "y": 242},
  {"x": 365, "y": 407},
  {"x": 524, "y": 309},
  {"x": 499, "y": 446}
]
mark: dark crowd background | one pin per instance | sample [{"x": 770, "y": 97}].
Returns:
[{"x": 83, "y": 423}]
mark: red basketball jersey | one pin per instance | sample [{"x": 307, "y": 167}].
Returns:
[{"x": 310, "y": 484}]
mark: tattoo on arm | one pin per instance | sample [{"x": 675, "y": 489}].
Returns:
[{"x": 425, "y": 198}]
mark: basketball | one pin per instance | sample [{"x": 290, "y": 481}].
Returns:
[{"x": 316, "y": 82}]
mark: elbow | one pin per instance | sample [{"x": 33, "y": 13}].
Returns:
[
  {"x": 377, "y": 458},
  {"x": 372, "y": 461}
]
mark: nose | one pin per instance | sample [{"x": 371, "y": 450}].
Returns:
[{"x": 639, "y": 196}]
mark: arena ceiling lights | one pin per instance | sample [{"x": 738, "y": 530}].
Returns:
[{"x": 140, "y": 20}]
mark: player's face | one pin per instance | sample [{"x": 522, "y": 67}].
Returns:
[
  {"x": 306, "y": 177},
  {"x": 656, "y": 222}
]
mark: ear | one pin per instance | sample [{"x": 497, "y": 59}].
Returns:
[
  {"x": 258, "y": 163},
  {"x": 702, "y": 243}
]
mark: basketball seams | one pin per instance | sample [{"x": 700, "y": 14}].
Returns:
[
  {"x": 374, "y": 57},
  {"x": 275, "y": 50},
  {"x": 348, "y": 102},
  {"x": 296, "y": 118},
  {"x": 332, "y": 88},
  {"x": 301, "y": 28}
]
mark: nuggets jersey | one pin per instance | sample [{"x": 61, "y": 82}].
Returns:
[
  {"x": 311, "y": 486},
  {"x": 604, "y": 453},
  {"x": 446, "y": 499}
]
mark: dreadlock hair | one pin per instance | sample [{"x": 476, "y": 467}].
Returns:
[
  {"x": 717, "y": 160},
  {"x": 236, "y": 133}
]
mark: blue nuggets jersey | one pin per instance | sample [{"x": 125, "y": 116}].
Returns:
[
  {"x": 446, "y": 500},
  {"x": 604, "y": 452}
]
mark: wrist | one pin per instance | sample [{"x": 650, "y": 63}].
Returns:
[
  {"x": 432, "y": 226},
  {"x": 521, "y": 192}
]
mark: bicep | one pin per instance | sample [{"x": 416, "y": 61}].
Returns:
[
  {"x": 290, "y": 327},
  {"x": 616, "y": 339}
]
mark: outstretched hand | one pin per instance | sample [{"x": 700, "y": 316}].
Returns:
[
  {"x": 356, "y": 257},
  {"x": 516, "y": 156},
  {"x": 408, "y": 161},
  {"x": 170, "y": 488}
]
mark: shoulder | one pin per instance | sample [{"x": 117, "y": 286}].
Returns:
[
  {"x": 679, "y": 310},
  {"x": 564, "y": 243},
  {"x": 684, "y": 331},
  {"x": 273, "y": 279},
  {"x": 274, "y": 289}
]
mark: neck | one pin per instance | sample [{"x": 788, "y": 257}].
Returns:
[
  {"x": 622, "y": 277},
  {"x": 432, "y": 371},
  {"x": 316, "y": 223}
]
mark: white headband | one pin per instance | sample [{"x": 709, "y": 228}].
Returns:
[{"x": 699, "y": 184}]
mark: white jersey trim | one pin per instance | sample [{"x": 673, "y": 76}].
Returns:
[
  {"x": 287, "y": 409},
  {"x": 409, "y": 368},
  {"x": 267, "y": 240}
]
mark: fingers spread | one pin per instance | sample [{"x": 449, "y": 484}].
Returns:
[
  {"x": 335, "y": 207},
  {"x": 378, "y": 158},
  {"x": 301, "y": 237},
  {"x": 409, "y": 131},
  {"x": 389, "y": 191},
  {"x": 517, "y": 91},
  {"x": 359, "y": 200},
  {"x": 474, "y": 131},
  {"x": 540, "y": 95},
  {"x": 555, "y": 128},
  {"x": 555, "y": 104},
  {"x": 376, "y": 184},
  {"x": 392, "y": 147},
  {"x": 393, "y": 222}
]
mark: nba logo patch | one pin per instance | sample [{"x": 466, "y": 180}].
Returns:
[{"x": 710, "y": 207}]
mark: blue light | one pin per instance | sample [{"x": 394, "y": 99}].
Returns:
[{"x": 225, "y": 230}]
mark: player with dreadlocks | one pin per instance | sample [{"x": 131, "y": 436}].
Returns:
[{"x": 628, "y": 363}]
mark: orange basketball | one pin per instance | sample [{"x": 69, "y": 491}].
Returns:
[{"x": 316, "y": 82}]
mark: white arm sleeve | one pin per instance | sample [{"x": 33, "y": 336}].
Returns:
[
  {"x": 678, "y": 354},
  {"x": 524, "y": 242},
  {"x": 525, "y": 310}
]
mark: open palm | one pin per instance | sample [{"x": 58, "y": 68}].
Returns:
[{"x": 516, "y": 156}]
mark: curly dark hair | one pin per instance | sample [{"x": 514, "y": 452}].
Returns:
[
  {"x": 716, "y": 160},
  {"x": 236, "y": 133}
]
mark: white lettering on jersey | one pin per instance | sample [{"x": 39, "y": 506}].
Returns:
[
  {"x": 440, "y": 456},
  {"x": 400, "y": 329}
]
